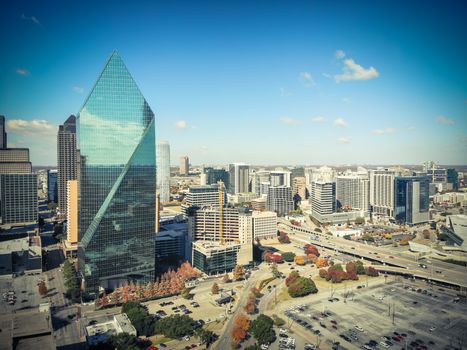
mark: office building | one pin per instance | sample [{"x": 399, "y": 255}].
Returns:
[
  {"x": 117, "y": 185},
  {"x": 280, "y": 178},
  {"x": 70, "y": 245},
  {"x": 257, "y": 177},
  {"x": 323, "y": 197},
  {"x": 411, "y": 199},
  {"x": 238, "y": 178},
  {"x": 214, "y": 258},
  {"x": 170, "y": 245},
  {"x": 299, "y": 187},
  {"x": 214, "y": 224},
  {"x": 163, "y": 170},
  {"x": 280, "y": 200},
  {"x": 259, "y": 204},
  {"x": 184, "y": 166},
  {"x": 15, "y": 161},
  {"x": 21, "y": 255},
  {"x": 204, "y": 196},
  {"x": 264, "y": 188},
  {"x": 264, "y": 224},
  {"x": 382, "y": 192},
  {"x": 297, "y": 172},
  {"x": 52, "y": 194},
  {"x": 353, "y": 192},
  {"x": 215, "y": 175},
  {"x": 98, "y": 333},
  {"x": 3, "y": 136},
  {"x": 66, "y": 159},
  {"x": 453, "y": 178}
]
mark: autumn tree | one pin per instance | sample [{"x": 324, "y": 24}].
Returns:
[
  {"x": 238, "y": 273},
  {"x": 215, "y": 288},
  {"x": 283, "y": 238},
  {"x": 42, "y": 288},
  {"x": 300, "y": 260},
  {"x": 426, "y": 234},
  {"x": 311, "y": 249},
  {"x": 226, "y": 278},
  {"x": 371, "y": 271},
  {"x": 323, "y": 273},
  {"x": 292, "y": 277},
  {"x": 312, "y": 258},
  {"x": 240, "y": 328},
  {"x": 321, "y": 262}
]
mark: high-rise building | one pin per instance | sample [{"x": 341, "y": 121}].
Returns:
[
  {"x": 323, "y": 197},
  {"x": 352, "y": 192},
  {"x": 299, "y": 187},
  {"x": 453, "y": 178},
  {"x": 18, "y": 186},
  {"x": 3, "y": 136},
  {"x": 264, "y": 224},
  {"x": 212, "y": 224},
  {"x": 66, "y": 160},
  {"x": 117, "y": 185},
  {"x": 239, "y": 178},
  {"x": 280, "y": 200},
  {"x": 52, "y": 186},
  {"x": 280, "y": 178},
  {"x": 382, "y": 192},
  {"x": 215, "y": 175},
  {"x": 204, "y": 196},
  {"x": 257, "y": 178},
  {"x": 184, "y": 166},
  {"x": 70, "y": 245},
  {"x": 163, "y": 170},
  {"x": 411, "y": 199}
]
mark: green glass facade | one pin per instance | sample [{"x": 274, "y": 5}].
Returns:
[{"x": 117, "y": 185}]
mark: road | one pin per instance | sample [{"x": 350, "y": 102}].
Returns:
[
  {"x": 449, "y": 272},
  {"x": 224, "y": 341}
]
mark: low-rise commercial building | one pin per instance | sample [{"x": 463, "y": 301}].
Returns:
[
  {"x": 22, "y": 255},
  {"x": 99, "y": 332}
]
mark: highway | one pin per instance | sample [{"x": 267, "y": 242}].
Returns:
[{"x": 449, "y": 273}]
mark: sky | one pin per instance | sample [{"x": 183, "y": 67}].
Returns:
[{"x": 261, "y": 82}]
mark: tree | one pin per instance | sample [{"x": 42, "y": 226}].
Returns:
[
  {"x": 262, "y": 329},
  {"x": 288, "y": 256},
  {"x": 139, "y": 317},
  {"x": 240, "y": 328},
  {"x": 238, "y": 273},
  {"x": 250, "y": 306},
  {"x": 279, "y": 322},
  {"x": 360, "y": 269},
  {"x": 185, "y": 293},
  {"x": 122, "y": 341},
  {"x": 323, "y": 273},
  {"x": 42, "y": 288},
  {"x": 312, "y": 258},
  {"x": 292, "y": 277},
  {"x": 302, "y": 286},
  {"x": 175, "y": 326},
  {"x": 215, "y": 288},
  {"x": 207, "y": 337},
  {"x": 226, "y": 278},
  {"x": 350, "y": 267},
  {"x": 426, "y": 234},
  {"x": 283, "y": 238},
  {"x": 321, "y": 262},
  {"x": 275, "y": 272},
  {"x": 300, "y": 260},
  {"x": 311, "y": 249},
  {"x": 372, "y": 272},
  {"x": 254, "y": 346}
]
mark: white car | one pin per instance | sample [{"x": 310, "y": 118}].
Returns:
[
  {"x": 383, "y": 344},
  {"x": 264, "y": 347},
  {"x": 282, "y": 330},
  {"x": 357, "y": 327},
  {"x": 186, "y": 338},
  {"x": 432, "y": 328}
]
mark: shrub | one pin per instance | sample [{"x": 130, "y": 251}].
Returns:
[
  {"x": 323, "y": 273},
  {"x": 302, "y": 286},
  {"x": 288, "y": 256}
]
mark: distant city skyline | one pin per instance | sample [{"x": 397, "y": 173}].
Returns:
[{"x": 262, "y": 83}]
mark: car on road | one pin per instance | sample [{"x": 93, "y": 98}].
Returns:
[{"x": 357, "y": 327}]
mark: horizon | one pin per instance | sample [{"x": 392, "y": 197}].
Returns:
[{"x": 276, "y": 83}]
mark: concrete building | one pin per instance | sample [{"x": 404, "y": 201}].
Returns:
[
  {"x": 280, "y": 178},
  {"x": 207, "y": 224},
  {"x": 170, "y": 245},
  {"x": 353, "y": 192},
  {"x": 184, "y": 168},
  {"x": 66, "y": 160},
  {"x": 70, "y": 245},
  {"x": 163, "y": 170},
  {"x": 203, "y": 196},
  {"x": 259, "y": 204},
  {"x": 382, "y": 192},
  {"x": 27, "y": 329},
  {"x": 15, "y": 161},
  {"x": 456, "y": 230},
  {"x": 280, "y": 200},
  {"x": 98, "y": 333},
  {"x": 264, "y": 224},
  {"x": 299, "y": 187},
  {"x": 264, "y": 188},
  {"x": 411, "y": 199},
  {"x": 239, "y": 178},
  {"x": 257, "y": 177},
  {"x": 242, "y": 197},
  {"x": 323, "y": 197},
  {"x": 22, "y": 255},
  {"x": 212, "y": 176},
  {"x": 214, "y": 258},
  {"x": 18, "y": 198}
]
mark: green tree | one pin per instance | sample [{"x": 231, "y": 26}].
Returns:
[
  {"x": 262, "y": 329},
  {"x": 302, "y": 286},
  {"x": 207, "y": 337},
  {"x": 185, "y": 293},
  {"x": 279, "y": 322},
  {"x": 255, "y": 346},
  {"x": 360, "y": 269},
  {"x": 175, "y": 326},
  {"x": 139, "y": 317},
  {"x": 359, "y": 220},
  {"x": 288, "y": 256}
]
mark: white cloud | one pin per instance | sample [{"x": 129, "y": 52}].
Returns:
[
  {"x": 306, "y": 78},
  {"x": 444, "y": 120},
  {"x": 384, "y": 131},
  {"x": 341, "y": 123},
  {"x": 339, "y": 54},
  {"x": 318, "y": 119},
  {"x": 354, "y": 71},
  {"x": 78, "y": 89},
  {"x": 39, "y": 135},
  {"x": 289, "y": 121},
  {"x": 181, "y": 124},
  {"x": 343, "y": 140},
  {"x": 32, "y": 19},
  {"x": 22, "y": 71}
]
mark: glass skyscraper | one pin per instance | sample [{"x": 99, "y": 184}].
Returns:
[
  {"x": 117, "y": 185},
  {"x": 411, "y": 199}
]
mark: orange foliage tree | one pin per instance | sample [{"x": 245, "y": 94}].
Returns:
[
  {"x": 300, "y": 260},
  {"x": 240, "y": 328},
  {"x": 320, "y": 262}
]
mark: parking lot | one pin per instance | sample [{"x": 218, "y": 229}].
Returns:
[
  {"x": 395, "y": 315},
  {"x": 26, "y": 293}
]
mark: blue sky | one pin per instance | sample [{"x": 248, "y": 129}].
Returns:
[{"x": 264, "y": 82}]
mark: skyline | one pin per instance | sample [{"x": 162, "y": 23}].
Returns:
[{"x": 288, "y": 84}]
